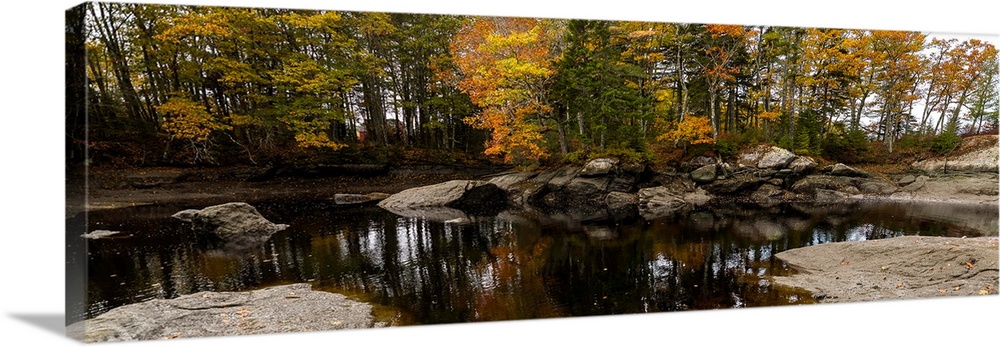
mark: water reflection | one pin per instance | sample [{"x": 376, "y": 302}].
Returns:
[{"x": 512, "y": 266}]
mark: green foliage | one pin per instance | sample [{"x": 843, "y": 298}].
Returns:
[
  {"x": 945, "y": 142},
  {"x": 850, "y": 147}
]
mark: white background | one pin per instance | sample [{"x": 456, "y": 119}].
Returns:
[{"x": 32, "y": 192}]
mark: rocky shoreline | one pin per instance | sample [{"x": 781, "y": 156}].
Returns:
[
  {"x": 606, "y": 190},
  {"x": 278, "y": 309}
]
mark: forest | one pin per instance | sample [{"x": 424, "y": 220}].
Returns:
[{"x": 193, "y": 85}]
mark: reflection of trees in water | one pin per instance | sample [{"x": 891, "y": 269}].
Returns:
[{"x": 512, "y": 267}]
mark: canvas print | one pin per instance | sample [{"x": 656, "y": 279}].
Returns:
[{"x": 236, "y": 171}]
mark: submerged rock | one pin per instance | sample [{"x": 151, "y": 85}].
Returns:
[
  {"x": 352, "y": 199},
  {"x": 234, "y": 222},
  {"x": 280, "y": 309},
  {"x": 99, "y": 234}
]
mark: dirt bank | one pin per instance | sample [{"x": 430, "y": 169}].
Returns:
[
  {"x": 898, "y": 268},
  {"x": 114, "y": 188}
]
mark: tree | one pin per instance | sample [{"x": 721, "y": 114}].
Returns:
[{"x": 505, "y": 66}]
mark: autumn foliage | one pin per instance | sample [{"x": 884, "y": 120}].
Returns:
[{"x": 519, "y": 90}]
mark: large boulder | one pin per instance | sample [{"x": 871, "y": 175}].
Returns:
[
  {"x": 810, "y": 184},
  {"x": 736, "y": 184},
  {"x": 234, "y": 222},
  {"x": 704, "y": 174},
  {"x": 281, "y": 309},
  {"x": 803, "y": 165},
  {"x": 599, "y": 167},
  {"x": 467, "y": 195},
  {"x": 765, "y": 157}
]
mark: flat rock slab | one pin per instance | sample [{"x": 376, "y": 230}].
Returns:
[
  {"x": 898, "y": 268},
  {"x": 280, "y": 309}
]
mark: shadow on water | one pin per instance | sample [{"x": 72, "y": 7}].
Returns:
[{"x": 511, "y": 266}]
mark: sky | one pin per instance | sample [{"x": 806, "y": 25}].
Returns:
[{"x": 32, "y": 207}]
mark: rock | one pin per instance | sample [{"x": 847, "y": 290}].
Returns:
[
  {"x": 840, "y": 169},
  {"x": 280, "y": 309},
  {"x": 704, "y": 174},
  {"x": 906, "y": 180},
  {"x": 776, "y": 158},
  {"x": 979, "y": 154},
  {"x": 99, "y": 234},
  {"x": 767, "y": 195},
  {"x": 803, "y": 165},
  {"x": 679, "y": 183},
  {"x": 559, "y": 177},
  {"x": 917, "y": 183},
  {"x": 735, "y": 184},
  {"x": 351, "y": 199},
  {"x": 877, "y": 187},
  {"x": 697, "y": 162},
  {"x": 896, "y": 268},
  {"x": 826, "y": 196},
  {"x": 466, "y": 195},
  {"x": 621, "y": 201},
  {"x": 506, "y": 181},
  {"x": 598, "y": 167},
  {"x": 765, "y": 157},
  {"x": 698, "y": 197},
  {"x": 659, "y": 202},
  {"x": 232, "y": 222},
  {"x": 582, "y": 191},
  {"x": 809, "y": 184}
]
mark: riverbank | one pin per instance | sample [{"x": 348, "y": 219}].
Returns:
[{"x": 110, "y": 187}]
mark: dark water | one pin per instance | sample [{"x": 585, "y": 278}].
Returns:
[{"x": 496, "y": 268}]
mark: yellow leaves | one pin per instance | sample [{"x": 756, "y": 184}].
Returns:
[
  {"x": 769, "y": 115},
  {"x": 692, "y": 130},
  {"x": 503, "y": 65},
  {"x": 306, "y": 139},
  {"x": 186, "y": 119}
]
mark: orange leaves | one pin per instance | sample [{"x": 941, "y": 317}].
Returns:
[
  {"x": 692, "y": 130},
  {"x": 504, "y": 65}
]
